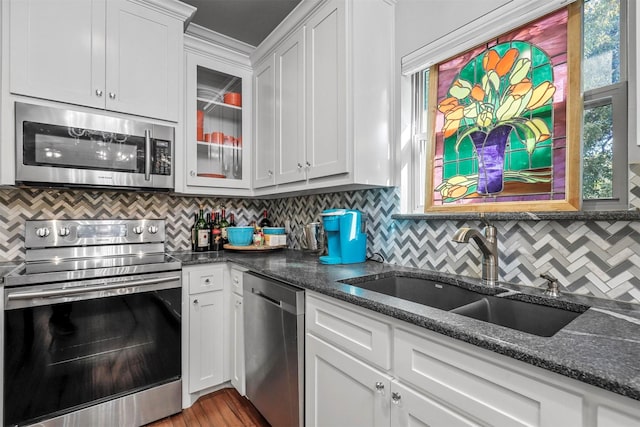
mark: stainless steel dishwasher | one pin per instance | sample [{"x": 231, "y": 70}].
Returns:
[{"x": 274, "y": 349}]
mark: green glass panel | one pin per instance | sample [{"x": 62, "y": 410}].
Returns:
[
  {"x": 541, "y": 74},
  {"x": 541, "y": 157},
  {"x": 466, "y": 167},
  {"x": 538, "y": 57},
  {"x": 449, "y": 170},
  {"x": 519, "y": 160},
  {"x": 502, "y": 48},
  {"x": 466, "y": 149}
]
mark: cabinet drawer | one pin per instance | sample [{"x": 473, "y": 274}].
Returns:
[
  {"x": 236, "y": 279},
  {"x": 479, "y": 386},
  {"x": 361, "y": 335},
  {"x": 205, "y": 279}
]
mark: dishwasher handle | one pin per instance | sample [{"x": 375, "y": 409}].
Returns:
[
  {"x": 282, "y": 295},
  {"x": 278, "y": 303}
]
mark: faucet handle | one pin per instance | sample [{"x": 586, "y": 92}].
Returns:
[
  {"x": 485, "y": 220},
  {"x": 552, "y": 285}
]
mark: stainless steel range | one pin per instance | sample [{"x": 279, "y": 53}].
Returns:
[{"x": 92, "y": 325}]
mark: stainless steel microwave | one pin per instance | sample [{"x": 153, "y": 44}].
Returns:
[{"x": 71, "y": 148}]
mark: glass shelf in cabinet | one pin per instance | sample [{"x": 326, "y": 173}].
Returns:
[
  {"x": 209, "y": 105},
  {"x": 214, "y": 145}
]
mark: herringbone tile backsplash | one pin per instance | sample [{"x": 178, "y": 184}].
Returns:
[
  {"x": 598, "y": 258},
  {"x": 18, "y": 205}
]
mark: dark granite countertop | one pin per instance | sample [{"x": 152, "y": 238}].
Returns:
[{"x": 600, "y": 347}]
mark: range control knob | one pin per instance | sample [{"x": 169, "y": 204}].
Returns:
[
  {"x": 42, "y": 232},
  {"x": 138, "y": 229},
  {"x": 153, "y": 229},
  {"x": 64, "y": 231}
]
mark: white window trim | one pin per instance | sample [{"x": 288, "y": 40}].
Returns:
[{"x": 492, "y": 24}]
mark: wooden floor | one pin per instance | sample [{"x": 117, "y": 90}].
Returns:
[{"x": 222, "y": 408}]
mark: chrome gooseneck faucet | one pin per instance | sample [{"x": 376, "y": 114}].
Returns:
[{"x": 488, "y": 244}]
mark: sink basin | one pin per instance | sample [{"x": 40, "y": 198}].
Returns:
[
  {"x": 423, "y": 291},
  {"x": 481, "y": 304},
  {"x": 527, "y": 317}
]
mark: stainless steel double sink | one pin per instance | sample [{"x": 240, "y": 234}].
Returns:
[{"x": 480, "y": 303}]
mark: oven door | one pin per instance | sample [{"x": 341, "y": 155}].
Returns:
[
  {"x": 72, "y": 147},
  {"x": 72, "y": 345}
]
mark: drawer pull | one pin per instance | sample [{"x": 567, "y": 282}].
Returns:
[
  {"x": 395, "y": 398},
  {"x": 380, "y": 387}
]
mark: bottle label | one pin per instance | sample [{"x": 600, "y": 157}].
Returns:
[{"x": 203, "y": 238}]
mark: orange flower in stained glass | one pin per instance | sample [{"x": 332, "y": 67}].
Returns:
[
  {"x": 452, "y": 120},
  {"x": 477, "y": 93},
  {"x": 506, "y": 62},
  {"x": 490, "y": 60},
  {"x": 521, "y": 88},
  {"x": 448, "y": 104}
]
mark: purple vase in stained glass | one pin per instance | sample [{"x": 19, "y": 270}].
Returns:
[{"x": 490, "y": 148}]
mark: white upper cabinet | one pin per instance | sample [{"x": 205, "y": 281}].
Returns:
[
  {"x": 119, "y": 55},
  {"x": 215, "y": 158},
  {"x": 327, "y": 151},
  {"x": 334, "y": 96},
  {"x": 264, "y": 126},
  {"x": 290, "y": 117}
]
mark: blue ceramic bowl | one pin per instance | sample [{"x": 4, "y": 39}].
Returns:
[
  {"x": 240, "y": 236},
  {"x": 273, "y": 230}
]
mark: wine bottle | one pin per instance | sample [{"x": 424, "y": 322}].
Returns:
[
  {"x": 223, "y": 227},
  {"x": 265, "y": 221},
  {"x": 202, "y": 233},
  {"x": 216, "y": 233},
  {"x": 232, "y": 221},
  {"x": 193, "y": 231}
]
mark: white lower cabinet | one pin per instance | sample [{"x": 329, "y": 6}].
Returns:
[
  {"x": 341, "y": 390},
  {"x": 205, "y": 335},
  {"x": 434, "y": 380},
  {"x": 237, "y": 331},
  {"x": 410, "y": 408},
  {"x": 205, "y": 340}
]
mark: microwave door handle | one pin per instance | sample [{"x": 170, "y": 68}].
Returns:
[{"x": 147, "y": 155}]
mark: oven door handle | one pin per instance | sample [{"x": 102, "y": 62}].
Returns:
[{"x": 81, "y": 290}]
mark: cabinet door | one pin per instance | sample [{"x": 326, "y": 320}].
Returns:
[
  {"x": 410, "y": 409},
  {"x": 341, "y": 390},
  {"x": 237, "y": 344},
  {"x": 290, "y": 136},
  {"x": 57, "y": 50},
  {"x": 327, "y": 151},
  {"x": 144, "y": 51},
  {"x": 265, "y": 107},
  {"x": 206, "y": 343},
  {"x": 217, "y": 135}
]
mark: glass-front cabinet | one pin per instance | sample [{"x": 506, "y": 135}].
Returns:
[{"x": 217, "y": 124}]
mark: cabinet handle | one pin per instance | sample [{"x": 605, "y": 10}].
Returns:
[
  {"x": 207, "y": 280},
  {"x": 195, "y": 302},
  {"x": 395, "y": 397},
  {"x": 270, "y": 173},
  {"x": 98, "y": 93},
  {"x": 380, "y": 387},
  {"x": 299, "y": 166},
  {"x": 307, "y": 164},
  {"x": 112, "y": 95},
  {"x": 238, "y": 303},
  {"x": 192, "y": 173},
  {"x": 236, "y": 280}
]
